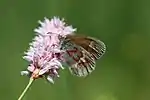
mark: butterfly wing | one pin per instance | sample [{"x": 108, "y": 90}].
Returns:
[
  {"x": 81, "y": 54},
  {"x": 94, "y": 46}
]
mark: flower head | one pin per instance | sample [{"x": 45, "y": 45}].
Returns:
[
  {"x": 54, "y": 25},
  {"x": 44, "y": 52}
]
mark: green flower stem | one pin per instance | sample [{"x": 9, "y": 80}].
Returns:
[{"x": 27, "y": 87}]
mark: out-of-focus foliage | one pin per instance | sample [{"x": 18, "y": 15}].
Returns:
[{"x": 123, "y": 73}]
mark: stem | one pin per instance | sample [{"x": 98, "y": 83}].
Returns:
[{"x": 27, "y": 87}]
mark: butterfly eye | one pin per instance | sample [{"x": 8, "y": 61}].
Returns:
[{"x": 57, "y": 54}]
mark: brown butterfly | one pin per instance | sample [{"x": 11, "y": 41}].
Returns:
[{"x": 81, "y": 53}]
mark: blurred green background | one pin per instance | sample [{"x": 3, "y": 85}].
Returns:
[{"x": 123, "y": 73}]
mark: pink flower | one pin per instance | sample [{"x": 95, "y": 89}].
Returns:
[{"x": 44, "y": 54}]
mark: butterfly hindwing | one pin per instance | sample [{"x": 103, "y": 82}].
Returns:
[{"x": 84, "y": 66}]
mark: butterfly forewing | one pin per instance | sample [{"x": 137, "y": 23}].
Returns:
[
  {"x": 94, "y": 46},
  {"x": 81, "y": 53}
]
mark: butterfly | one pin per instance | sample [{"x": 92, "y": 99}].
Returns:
[{"x": 81, "y": 53}]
